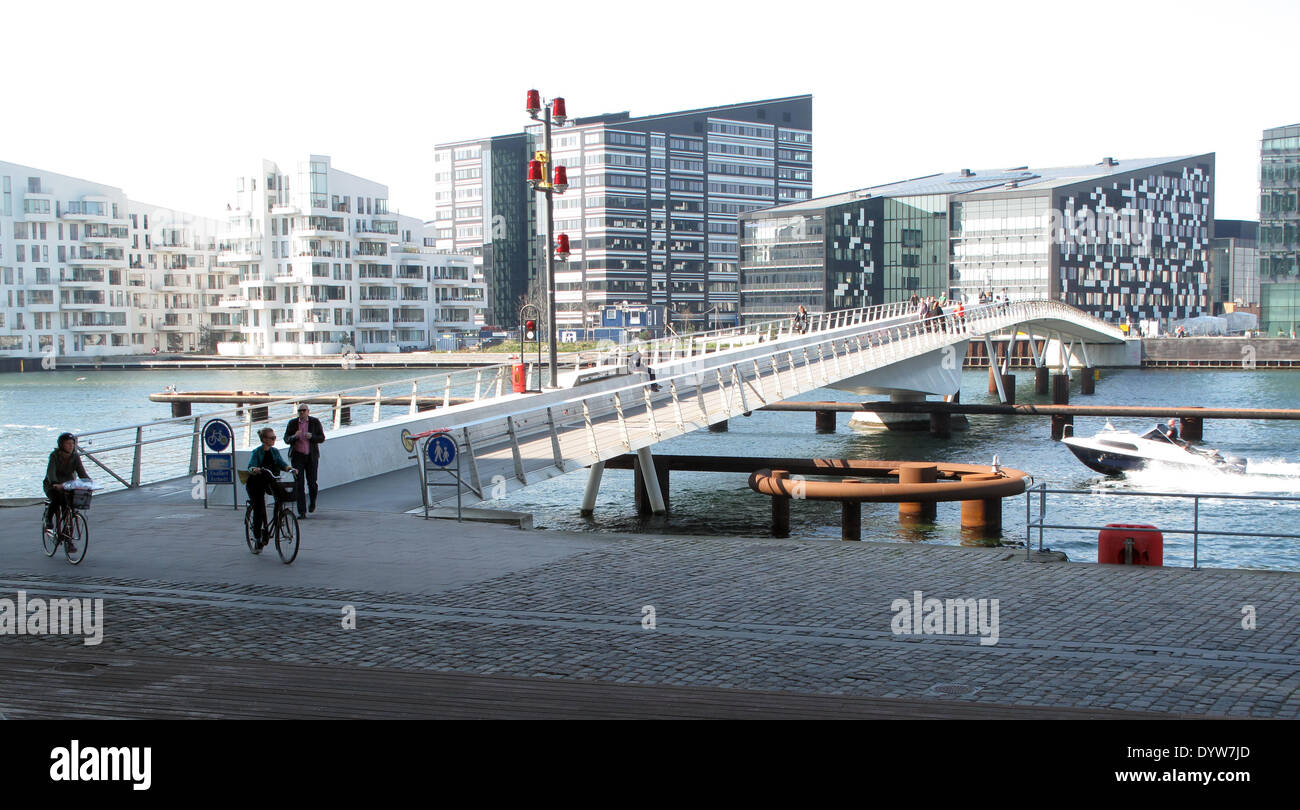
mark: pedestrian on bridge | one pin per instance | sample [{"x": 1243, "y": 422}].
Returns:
[{"x": 304, "y": 435}]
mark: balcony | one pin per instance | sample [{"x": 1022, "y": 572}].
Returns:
[
  {"x": 83, "y": 277},
  {"x": 95, "y": 258},
  {"x": 232, "y": 302},
  {"x": 86, "y": 211},
  {"x": 103, "y": 234}
]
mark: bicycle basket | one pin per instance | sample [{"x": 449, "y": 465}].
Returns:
[{"x": 81, "y": 499}]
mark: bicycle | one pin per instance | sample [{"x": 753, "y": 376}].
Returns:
[
  {"x": 62, "y": 524},
  {"x": 283, "y": 523}
]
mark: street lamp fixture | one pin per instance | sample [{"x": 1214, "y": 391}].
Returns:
[{"x": 544, "y": 179}]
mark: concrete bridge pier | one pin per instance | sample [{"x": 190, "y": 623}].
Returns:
[
  {"x": 597, "y": 471},
  {"x": 780, "y": 510},
  {"x": 1041, "y": 375},
  {"x": 825, "y": 421},
  {"x": 650, "y": 483}
]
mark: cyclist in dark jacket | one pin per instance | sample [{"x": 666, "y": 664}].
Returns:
[
  {"x": 264, "y": 463},
  {"x": 64, "y": 466}
]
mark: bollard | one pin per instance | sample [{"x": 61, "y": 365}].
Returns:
[
  {"x": 1060, "y": 389},
  {"x": 1088, "y": 382},
  {"x": 718, "y": 427},
  {"x": 940, "y": 425},
  {"x": 1190, "y": 428},
  {"x": 180, "y": 409},
  {"x": 1040, "y": 379},
  {"x": 825, "y": 421},
  {"x": 917, "y": 511},
  {"x": 984, "y": 514}
]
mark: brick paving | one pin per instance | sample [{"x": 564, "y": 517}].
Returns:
[{"x": 788, "y": 616}]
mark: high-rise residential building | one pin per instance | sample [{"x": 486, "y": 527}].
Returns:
[
  {"x": 1120, "y": 239},
  {"x": 1279, "y": 230},
  {"x": 483, "y": 207},
  {"x": 650, "y": 212},
  {"x": 85, "y": 271},
  {"x": 1234, "y": 264},
  {"x": 323, "y": 265}
]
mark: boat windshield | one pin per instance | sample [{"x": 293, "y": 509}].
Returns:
[{"x": 1158, "y": 434}]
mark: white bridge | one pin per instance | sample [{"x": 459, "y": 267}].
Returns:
[{"x": 603, "y": 410}]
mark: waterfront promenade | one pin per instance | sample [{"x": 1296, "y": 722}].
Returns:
[{"x": 456, "y": 620}]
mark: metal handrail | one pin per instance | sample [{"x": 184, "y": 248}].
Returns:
[{"x": 1195, "y": 531}]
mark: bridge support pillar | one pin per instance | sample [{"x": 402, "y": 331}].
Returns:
[
  {"x": 1190, "y": 428},
  {"x": 984, "y": 515},
  {"x": 993, "y": 375},
  {"x": 851, "y": 520},
  {"x": 1041, "y": 374},
  {"x": 780, "y": 511},
  {"x": 1009, "y": 389},
  {"x": 941, "y": 425},
  {"x": 1059, "y": 426},
  {"x": 918, "y": 511},
  {"x": 718, "y": 427},
  {"x": 597, "y": 471},
  {"x": 1060, "y": 389},
  {"x": 825, "y": 421},
  {"x": 180, "y": 409},
  {"x": 651, "y": 484}
]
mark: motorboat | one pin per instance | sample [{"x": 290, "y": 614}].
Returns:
[{"x": 1115, "y": 452}]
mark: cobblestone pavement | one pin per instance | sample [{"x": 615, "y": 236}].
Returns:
[{"x": 794, "y": 616}]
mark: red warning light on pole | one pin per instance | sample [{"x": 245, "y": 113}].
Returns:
[{"x": 530, "y": 330}]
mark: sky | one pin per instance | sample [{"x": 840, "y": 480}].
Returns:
[{"x": 172, "y": 101}]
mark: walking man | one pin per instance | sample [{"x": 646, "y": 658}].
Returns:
[{"x": 304, "y": 435}]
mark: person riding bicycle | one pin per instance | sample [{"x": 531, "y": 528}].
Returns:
[
  {"x": 64, "y": 466},
  {"x": 264, "y": 464}
]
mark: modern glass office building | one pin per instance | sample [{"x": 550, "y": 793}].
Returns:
[
  {"x": 1234, "y": 265},
  {"x": 1121, "y": 239},
  {"x": 1279, "y": 229},
  {"x": 650, "y": 211}
]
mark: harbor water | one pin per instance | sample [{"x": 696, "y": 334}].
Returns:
[{"x": 36, "y": 407}]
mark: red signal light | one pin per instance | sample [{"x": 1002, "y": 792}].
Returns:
[
  {"x": 534, "y": 104},
  {"x": 557, "y": 112},
  {"x": 562, "y": 247},
  {"x": 561, "y": 182}
]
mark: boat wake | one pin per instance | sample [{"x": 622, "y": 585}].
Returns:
[{"x": 1262, "y": 476}]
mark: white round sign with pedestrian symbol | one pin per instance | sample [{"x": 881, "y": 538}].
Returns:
[{"x": 442, "y": 451}]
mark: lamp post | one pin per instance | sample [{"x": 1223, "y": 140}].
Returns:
[{"x": 543, "y": 179}]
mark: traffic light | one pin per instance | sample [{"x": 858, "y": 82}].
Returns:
[{"x": 530, "y": 330}]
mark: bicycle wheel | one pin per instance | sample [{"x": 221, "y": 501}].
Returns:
[
  {"x": 80, "y": 536},
  {"x": 50, "y": 537},
  {"x": 286, "y": 536},
  {"x": 248, "y": 529}
]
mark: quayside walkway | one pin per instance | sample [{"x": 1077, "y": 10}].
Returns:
[{"x": 487, "y": 621}]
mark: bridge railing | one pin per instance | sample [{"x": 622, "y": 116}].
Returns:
[{"x": 644, "y": 412}]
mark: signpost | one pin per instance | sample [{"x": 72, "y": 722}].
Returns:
[
  {"x": 219, "y": 458},
  {"x": 440, "y": 455}
]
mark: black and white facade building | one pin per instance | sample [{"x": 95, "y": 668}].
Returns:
[{"x": 1123, "y": 240}]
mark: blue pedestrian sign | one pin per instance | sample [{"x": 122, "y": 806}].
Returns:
[{"x": 441, "y": 450}]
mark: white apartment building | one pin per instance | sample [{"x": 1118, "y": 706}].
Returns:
[
  {"x": 85, "y": 271},
  {"x": 322, "y": 265}
]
